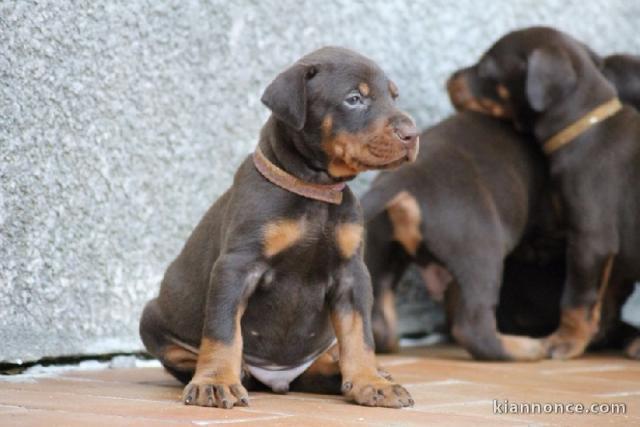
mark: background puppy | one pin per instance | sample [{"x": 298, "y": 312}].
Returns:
[
  {"x": 624, "y": 72},
  {"x": 549, "y": 84},
  {"x": 457, "y": 212},
  {"x": 275, "y": 266}
]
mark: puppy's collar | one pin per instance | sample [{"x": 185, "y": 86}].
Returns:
[
  {"x": 331, "y": 193},
  {"x": 581, "y": 125}
]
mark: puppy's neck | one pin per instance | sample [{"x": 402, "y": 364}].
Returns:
[
  {"x": 287, "y": 149},
  {"x": 571, "y": 109}
]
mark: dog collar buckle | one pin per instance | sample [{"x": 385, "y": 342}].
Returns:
[
  {"x": 329, "y": 193},
  {"x": 577, "y": 128}
]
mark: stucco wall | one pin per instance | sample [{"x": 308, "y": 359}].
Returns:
[{"x": 120, "y": 122}]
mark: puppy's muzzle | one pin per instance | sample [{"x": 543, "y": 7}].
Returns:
[
  {"x": 459, "y": 92},
  {"x": 405, "y": 130}
]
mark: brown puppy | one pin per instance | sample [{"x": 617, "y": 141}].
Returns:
[
  {"x": 551, "y": 85},
  {"x": 275, "y": 266},
  {"x": 457, "y": 212}
]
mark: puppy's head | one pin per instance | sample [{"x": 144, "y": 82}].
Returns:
[
  {"x": 529, "y": 72},
  {"x": 343, "y": 107}
]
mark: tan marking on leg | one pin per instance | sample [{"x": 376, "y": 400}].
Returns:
[
  {"x": 179, "y": 357},
  {"x": 389, "y": 307},
  {"x": 405, "y": 216},
  {"x": 348, "y": 238},
  {"x": 323, "y": 376},
  {"x": 577, "y": 327},
  {"x": 357, "y": 359},
  {"x": 327, "y": 364},
  {"x": 364, "y": 89},
  {"x": 219, "y": 361},
  {"x": 362, "y": 382},
  {"x": 282, "y": 234},
  {"x": 391, "y": 318},
  {"x": 216, "y": 381}
]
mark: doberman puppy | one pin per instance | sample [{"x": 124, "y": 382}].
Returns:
[
  {"x": 276, "y": 265},
  {"x": 551, "y": 85},
  {"x": 457, "y": 212}
]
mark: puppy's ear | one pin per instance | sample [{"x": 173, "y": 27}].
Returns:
[
  {"x": 286, "y": 96},
  {"x": 550, "y": 76}
]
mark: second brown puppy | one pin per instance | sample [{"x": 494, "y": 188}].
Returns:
[
  {"x": 551, "y": 85},
  {"x": 457, "y": 212}
]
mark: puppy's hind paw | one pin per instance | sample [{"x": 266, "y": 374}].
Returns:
[{"x": 564, "y": 347}]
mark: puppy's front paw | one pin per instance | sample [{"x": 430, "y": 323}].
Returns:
[
  {"x": 377, "y": 391},
  {"x": 215, "y": 394}
]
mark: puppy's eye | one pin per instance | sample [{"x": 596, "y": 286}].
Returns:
[{"x": 354, "y": 100}]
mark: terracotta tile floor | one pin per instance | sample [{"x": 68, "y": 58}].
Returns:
[{"x": 448, "y": 387}]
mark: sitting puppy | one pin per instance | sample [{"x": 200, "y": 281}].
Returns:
[
  {"x": 551, "y": 85},
  {"x": 457, "y": 212},
  {"x": 275, "y": 266}
]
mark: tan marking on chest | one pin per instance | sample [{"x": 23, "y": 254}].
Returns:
[
  {"x": 405, "y": 216},
  {"x": 282, "y": 234},
  {"x": 348, "y": 238}
]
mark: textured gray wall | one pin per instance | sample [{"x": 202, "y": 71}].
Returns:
[{"x": 120, "y": 122}]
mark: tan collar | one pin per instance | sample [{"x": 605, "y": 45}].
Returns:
[
  {"x": 571, "y": 132},
  {"x": 331, "y": 193}
]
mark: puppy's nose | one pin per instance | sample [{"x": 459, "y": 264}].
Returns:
[{"x": 407, "y": 133}]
